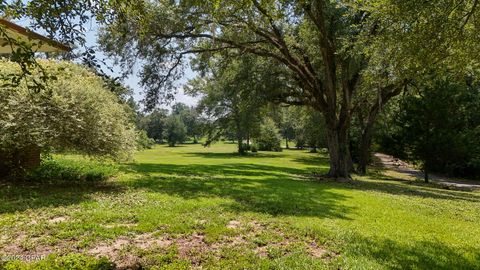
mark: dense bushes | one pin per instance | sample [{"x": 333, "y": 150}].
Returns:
[
  {"x": 74, "y": 112},
  {"x": 70, "y": 170},
  {"x": 143, "y": 141},
  {"x": 440, "y": 128},
  {"x": 269, "y": 138}
]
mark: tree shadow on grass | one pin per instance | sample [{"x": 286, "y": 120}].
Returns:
[
  {"x": 229, "y": 155},
  {"x": 22, "y": 196},
  {"x": 313, "y": 160},
  {"x": 414, "y": 254},
  {"x": 253, "y": 188},
  {"x": 238, "y": 170}
]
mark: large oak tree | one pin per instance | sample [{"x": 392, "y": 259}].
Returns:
[{"x": 320, "y": 43}]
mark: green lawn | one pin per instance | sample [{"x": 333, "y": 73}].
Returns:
[{"x": 193, "y": 207}]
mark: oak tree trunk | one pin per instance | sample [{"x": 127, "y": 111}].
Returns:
[
  {"x": 337, "y": 141},
  {"x": 241, "y": 150}
]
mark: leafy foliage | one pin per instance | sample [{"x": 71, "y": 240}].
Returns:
[
  {"x": 309, "y": 128},
  {"x": 269, "y": 138},
  {"x": 75, "y": 112},
  {"x": 338, "y": 57},
  {"x": 287, "y": 123},
  {"x": 175, "y": 130},
  {"x": 232, "y": 97},
  {"x": 154, "y": 124},
  {"x": 191, "y": 118},
  {"x": 143, "y": 141},
  {"x": 443, "y": 138},
  {"x": 64, "y": 170},
  {"x": 333, "y": 56}
]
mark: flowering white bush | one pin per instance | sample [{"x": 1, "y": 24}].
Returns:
[{"x": 74, "y": 112}]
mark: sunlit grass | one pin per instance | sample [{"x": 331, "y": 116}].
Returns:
[{"x": 279, "y": 210}]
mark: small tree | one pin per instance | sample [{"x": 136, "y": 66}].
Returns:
[
  {"x": 191, "y": 118},
  {"x": 175, "y": 130},
  {"x": 269, "y": 138}
]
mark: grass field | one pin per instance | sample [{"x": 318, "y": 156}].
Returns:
[{"x": 195, "y": 207}]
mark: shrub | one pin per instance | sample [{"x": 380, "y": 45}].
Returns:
[
  {"x": 66, "y": 170},
  {"x": 74, "y": 112},
  {"x": 143, "y": 141},
  {"x": 254, "y": 148},
  {"x": 269, "y": 138}
]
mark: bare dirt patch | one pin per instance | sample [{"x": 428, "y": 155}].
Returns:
[
  {"x": 149, "y": 241},
  {"x": 233, "y": 224},
  {"x": 59, "y": 219},
  {"x": 192, "y": 247},
  {"x": 316, "y": 251},
  {"x": 18, "y": 247},
  {"x": 282, "y": 245},
  {"x": 116, "y": 251},
  {"x": 262, "y": 251},
  {"x": 33, "y": 222},
  {"x": 256, "y": 226}
]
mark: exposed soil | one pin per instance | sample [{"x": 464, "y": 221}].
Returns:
[
  {"x": 316, "y": 251},
  {"x": 58, "y": 220},
  {"x": 191, "y": 247},
  {"x": 125, "y": 251}
]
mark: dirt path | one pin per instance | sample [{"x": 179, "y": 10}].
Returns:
[{"x": 400, "y": 166}]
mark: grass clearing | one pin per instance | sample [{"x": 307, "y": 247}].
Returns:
[{"x": 191, "y": 206}]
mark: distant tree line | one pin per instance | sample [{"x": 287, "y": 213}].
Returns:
[{"x": 181, "y": 124}]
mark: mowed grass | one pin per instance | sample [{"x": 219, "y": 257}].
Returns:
[{"x": 195, "y": 207}]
